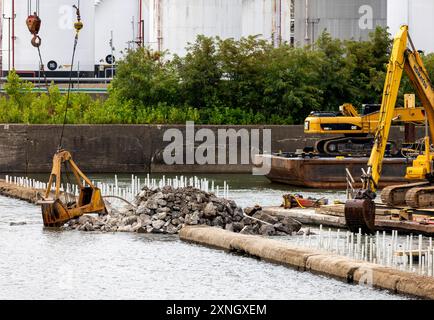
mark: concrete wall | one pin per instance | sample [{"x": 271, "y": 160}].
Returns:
[{"x": 120, "y": 148}]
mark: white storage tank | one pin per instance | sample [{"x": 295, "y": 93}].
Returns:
[
  {"x": 343, "y": 19},
  {"x": 57, "y": 33},
  {"x": 269, "y": 18},
  {"x": 172, "y": 24},
  {"x": 418, "y": 15},
  {"x": 120, "y": 18}
]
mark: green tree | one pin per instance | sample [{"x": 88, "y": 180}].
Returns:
[
  {"x": 334, "y": 72},
  {"x": 146, "y": 78},
  {"x": 367, "y": 61},
  {"x": 200, "y": 74}
]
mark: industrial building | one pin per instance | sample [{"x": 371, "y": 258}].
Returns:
[
  {"x": 111, "y": 27},
  {"x": 343, "y": 19}
]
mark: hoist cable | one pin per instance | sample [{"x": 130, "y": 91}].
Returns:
[
  {"x": 68, "y": 94},
  {"x": 77, "y": 29},
  {"x": 34, "y": 23},
  {"x": 44, "y": 74}
]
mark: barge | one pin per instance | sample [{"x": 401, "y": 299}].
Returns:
[{"x": 329, "y": 173}]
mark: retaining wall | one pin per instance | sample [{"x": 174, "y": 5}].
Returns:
[{"x": 123, "y": 148}]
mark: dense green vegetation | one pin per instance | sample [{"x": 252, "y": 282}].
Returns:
[{"x": 221, "y": 81}]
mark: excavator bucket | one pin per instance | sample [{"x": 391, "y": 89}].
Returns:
[
  {"x": 360, "y": 215},
  {"x": 54, "y": 213}
]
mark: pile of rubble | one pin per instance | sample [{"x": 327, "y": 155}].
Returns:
[{"x": 168, "y": 209}]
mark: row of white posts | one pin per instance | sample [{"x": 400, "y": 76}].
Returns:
[
  {"x": 128, "y": 191},
  {"x": 410, "y": 253}
]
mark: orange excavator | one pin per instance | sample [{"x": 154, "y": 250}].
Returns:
[{"x": 360, "y": 211}]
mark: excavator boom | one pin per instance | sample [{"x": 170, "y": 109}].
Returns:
[{"x": 360, "y": 212}]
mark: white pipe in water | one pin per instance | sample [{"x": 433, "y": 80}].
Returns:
[{"x": 411, "y": 253}]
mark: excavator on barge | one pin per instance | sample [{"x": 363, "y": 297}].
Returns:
[
  {"x": 360, "y": 211},
  {"x": 356, "y": 129}
]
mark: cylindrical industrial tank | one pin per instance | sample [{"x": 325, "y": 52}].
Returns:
[
  {"x": 123, "y": 19},
  {"x": 174, "y": 23},
  {"x": 271, "y": 19},
  {"x": 57, "y": 33},
  {"x": 343, "y": 19},
  {"x": 418, "y": 15}
]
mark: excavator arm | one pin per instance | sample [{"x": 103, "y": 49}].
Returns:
[
  {"x": 360, "y": 212},
  {"x": 421, "y": 83},
  {"x": 390, "y": 95}
]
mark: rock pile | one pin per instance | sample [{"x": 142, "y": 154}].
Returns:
[{"x": 167, "y": 210}]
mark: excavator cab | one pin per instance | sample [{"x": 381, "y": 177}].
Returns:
[
  {"x": 58, "y": 207},
  {"x": 370, "y": 108}
]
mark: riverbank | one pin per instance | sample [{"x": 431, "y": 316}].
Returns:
[{"x": 31, "y": 195}]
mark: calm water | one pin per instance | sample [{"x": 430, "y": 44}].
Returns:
[{"x": 42, "y": 264}]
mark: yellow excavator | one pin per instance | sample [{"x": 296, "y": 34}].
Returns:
[
  {"x": 360, "y": 211},
  {"x": 357, "y": 129}
]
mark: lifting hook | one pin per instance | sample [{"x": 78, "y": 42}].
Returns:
[
  {"x": 78, "y": 25},
  {"x": 34, "y": 25}
]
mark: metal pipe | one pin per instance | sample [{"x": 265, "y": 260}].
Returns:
[
  {"x": 1, "y": 44},
  {"x": 159, "y": 26},
  {"x": 279, "y": 22},
  {"x": 13, "y": 34},
  {"x": 112, "y": 53},
  {"x": 9, "y": 45},
  {"x": 120, "y": 198},
  {"x": 306, "y": 36},
  {"x": 141, "y": 23}
]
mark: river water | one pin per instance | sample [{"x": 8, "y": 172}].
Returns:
[{"x": 36, "y": 263}]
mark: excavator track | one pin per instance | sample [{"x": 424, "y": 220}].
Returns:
[
  {"x": 395, "y": 196},
  {"x": 420, "y": 197},
  {"x": 346, "y": 146}
]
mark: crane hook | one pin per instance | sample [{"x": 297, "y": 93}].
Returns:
[
  {"x": 34, "y": 25},
  {"x": 78, "y": 25}
]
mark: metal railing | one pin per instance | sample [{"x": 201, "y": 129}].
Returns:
[{"x": 65, "y": 79}]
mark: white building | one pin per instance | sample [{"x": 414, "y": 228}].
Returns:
[
  {"x": 418, "y": 15},
  {"x": 57, "y": 34},
  {"x": 171, "y": 24},
  {"x": 111, "y": 27},
  {"x": 116, "y": 28}
]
